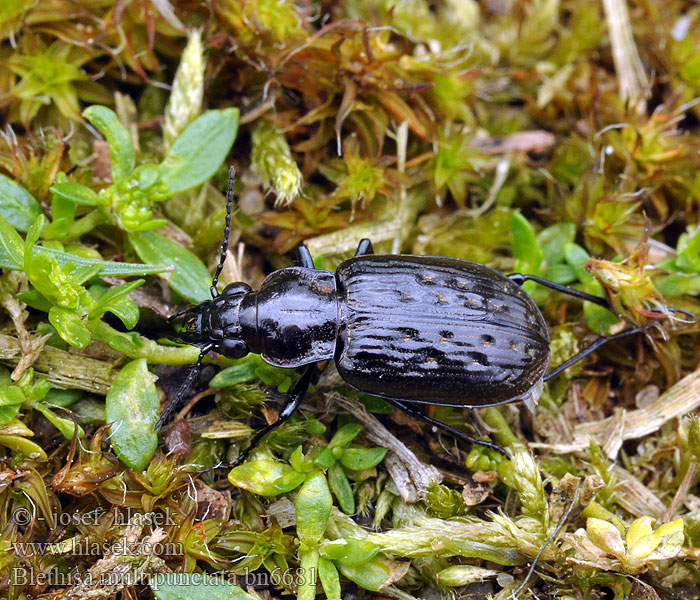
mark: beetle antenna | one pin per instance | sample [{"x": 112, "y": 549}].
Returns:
[
  {"x": 601, "y": 341},
  {"x": 172, "y": 405},
  {"x": 227, "y": 231}
]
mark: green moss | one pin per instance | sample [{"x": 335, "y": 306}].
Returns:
[{"x": 514, "y": 134}]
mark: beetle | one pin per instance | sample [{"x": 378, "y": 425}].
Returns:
[{"x": 410, "y": 329}]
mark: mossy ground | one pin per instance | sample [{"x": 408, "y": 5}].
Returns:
[{"x": 557, "y": 138}]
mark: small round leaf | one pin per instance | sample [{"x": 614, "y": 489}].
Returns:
[
  {"x": 359, "y": 459},
  {"x": 17, "y": 205},
  {"x": 133, "y": 408},
  {"x": 313, "y": 508},
  {"x": 259, "y": 476}
]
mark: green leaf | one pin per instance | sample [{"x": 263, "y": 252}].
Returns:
[
  {"x": 560, "y": 273},
  {"x": 121, "y": 149},
  {"x": 194, "y": 586},
  {"x": 688, "y": 249},
  {"x": 75, "y": 193},
  {"x": 308, "y": 568},
  {"x": 345, "y": 435},
  {"x": 53, "y": 281},
  {"x": 340, "y": 486},
  {"x": 315, "y": 427},
  {"x": 372, "y": 575},
  {"x": 11, "y": 399},
  {"x": 200, "y": 150},
  {"x": 552, "y": 239},
  {"x": 17, "y": 205},
  {"x": 330, "y": 580},
  {"x": 296, "y": 459},
  {"x": 65, "y": 425},
  {"x": 126, "y": 343},
  {"x": 33, "y": 235},
  {"x": 325, "y": 458},
  {"x": 70, "y": 326},
  {"x": 350, "y": 551},
  {"x": 289, "y": 482},
  {"x": 118, "y": 269},
  {"x": 672, "y": 286},
  {"x": 359, "y": 459},
  {"x": 35, "y": 299},
  {"x": 276, "y": 376},
  {"x": 81, "y": 274},
  {"x": 116, "y": 302},
  {"x": 259, "y": 476},
  {"x": 89, "y": 412},
  {"x": 146, "y": 176},
  {"x": 190, "y": 279},
  {"x": 239, "y": 373},
  {"x": 34, "y": 392},
  {"x": 526, "y": 252},
  {"x": 37, "y": 270},
  {"x": 15, "y": 427},
  {"x": 7, "y": 413},
  {"x": 313, "y": 508},
  {"x": 62, "y": 215},
  {"x": 133, "y": 407},
  {"x": 63, "y": 398},
  {"x": 23, "y": 446},
  {"x": 577, "y": 257},
  {"x": 12, "y": 245},
  {"x": 463, "y": 575},
  {"x": 126, "y": 310},
  {"x": 599, "y": 319}
]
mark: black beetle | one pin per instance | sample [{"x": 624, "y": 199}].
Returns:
[{"x": 409, "y": 329}]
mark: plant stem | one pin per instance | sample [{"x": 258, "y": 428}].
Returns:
[
  {"x": 86, "y": 224},
  {"x": 136, "y": 346},
  {"x": 63, "y": 369},
  {"x": 502, "y": 432}
]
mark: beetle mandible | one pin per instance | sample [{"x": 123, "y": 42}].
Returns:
[{"x": 410, "y": 329}]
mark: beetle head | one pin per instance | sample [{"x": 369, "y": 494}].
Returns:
[
  {"x": 190, "y": 326},
  {"x": 215, "y": 323}
]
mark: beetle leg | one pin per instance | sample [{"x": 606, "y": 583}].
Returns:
[
  {"x": 520, "y": 279},
  {"x": 364, "y": 248},
  {"x": 172, "y": 405},
  {"x": 227, "y": 232},
  {"x": 418, "y": 414},
  {"x": 305, "y": 259},
  {"x": 601, "y": 341},
  {"x": 296, "y": 395}
]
